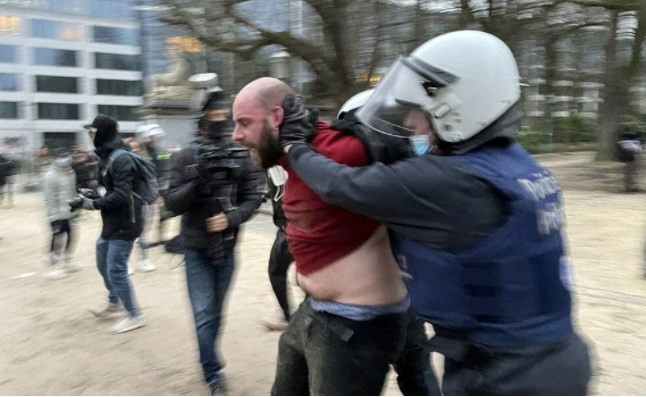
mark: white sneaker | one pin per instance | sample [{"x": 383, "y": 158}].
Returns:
[
  {"x": 69, "y": 265},
  {"x": 146, "y": 266},
  {"x": 56, "y": 273},
  {"x": 110, "y": 311},
  {"x": 52, "y": 259},
  {"x": 128, "y": 324},
  {"x": 131, "y": 270}
]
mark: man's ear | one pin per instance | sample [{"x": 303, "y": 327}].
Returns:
[{"x": 277, "y": 114}]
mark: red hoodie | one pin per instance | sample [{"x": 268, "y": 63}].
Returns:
[{"x": 319, "y": 233}]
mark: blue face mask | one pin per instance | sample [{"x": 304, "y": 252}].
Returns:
[
  {"x": 64, "y": 162},
  {"x": 420, "y": 144}
]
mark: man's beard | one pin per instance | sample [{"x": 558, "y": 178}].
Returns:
[{"x": 268, "y": 149}]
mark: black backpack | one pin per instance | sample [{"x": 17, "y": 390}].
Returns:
[{"x": 146, "y": 188}]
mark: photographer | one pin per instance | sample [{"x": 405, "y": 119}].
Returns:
[
  {"x": 215, "y": 189},
  {"x": 122, "y": 218}
]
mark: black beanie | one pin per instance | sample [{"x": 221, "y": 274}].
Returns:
[{"x": 106, "y": 129}]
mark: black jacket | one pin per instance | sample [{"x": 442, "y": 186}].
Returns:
[
  {"x": 86, "y": 172},
  {"x": 186, "y": 197},
  {"x": 432, "y": 199},
  {"x": 6, "y": 169},
  {"x": 120, "y": 209}
]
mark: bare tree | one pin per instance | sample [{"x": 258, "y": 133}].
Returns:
[
  {"x": 347, "y": 42},
  {"x": 618, "y": 75},
  {"x": 351, "y": 39}
]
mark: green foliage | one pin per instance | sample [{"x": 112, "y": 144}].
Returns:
[
  {"x": 575, "y": 129},
  {"x": 571, "y": 133}
]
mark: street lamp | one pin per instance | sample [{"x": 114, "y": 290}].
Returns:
[{"x": 279, "y": 63}]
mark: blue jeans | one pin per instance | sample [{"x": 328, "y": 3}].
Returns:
[
  {"x": 208, "y": 283},
  {"x": 112, "y": 261}
]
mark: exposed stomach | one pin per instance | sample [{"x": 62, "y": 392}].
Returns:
[{"x": 368, "y": 275}]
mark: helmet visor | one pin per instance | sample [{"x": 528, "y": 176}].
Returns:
[{"x": 407, "y": 89}]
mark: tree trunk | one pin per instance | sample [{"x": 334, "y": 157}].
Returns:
[
  {"x": 613, "y": 99},
  {"x": 551, "y": 61}
]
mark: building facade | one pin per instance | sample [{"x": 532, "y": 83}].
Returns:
[{"x": 61, "y": 63}]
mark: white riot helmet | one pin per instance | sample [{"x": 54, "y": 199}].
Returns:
[
  {"x": 150, "y": 130},
  {"x": 464, "y": 80},
  {"x": 355, "y": 101}
]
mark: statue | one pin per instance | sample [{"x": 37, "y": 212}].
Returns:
[{"x": 174, "y": 84}]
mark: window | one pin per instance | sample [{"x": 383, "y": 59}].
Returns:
[
  {"x": 9, "y": 25},
  {"x": 58, "y": 111},
  {"x": 59, "y": 139},
  {"x": 8, "y": 53},
  {"x": 121, "y": 113},
  {"x": 104, "y": 34},
  {"x": 8, "y": 110},
  {"x": 116, "y": 61},
  {"x": 119, "y": 87},
  {"x": 75, "y": 6},
  {"x": 57, "y": 84},
  {"x": 111, "y": 9},
  {"x": 54, "y": 57},
  {"x": 56, "y": 30},
  {"x": 8, "y": 82}
]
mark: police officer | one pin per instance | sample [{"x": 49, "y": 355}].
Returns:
[{"x": 475, "y": 225}]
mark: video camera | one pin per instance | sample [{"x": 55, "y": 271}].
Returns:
[{"x": 222, "y": 163}]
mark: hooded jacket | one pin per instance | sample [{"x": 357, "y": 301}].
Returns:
[{"x": 120, "y": 210}]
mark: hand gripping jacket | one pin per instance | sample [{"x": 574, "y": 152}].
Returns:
[{"x": 507, "y": 290}]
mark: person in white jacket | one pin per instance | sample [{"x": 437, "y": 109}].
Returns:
[{"x": 59, "y": 187}]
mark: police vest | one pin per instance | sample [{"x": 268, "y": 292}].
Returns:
[{"x": 508, "y": 289}]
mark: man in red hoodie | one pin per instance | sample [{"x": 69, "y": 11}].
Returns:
[{"x": 352, "y": 325}]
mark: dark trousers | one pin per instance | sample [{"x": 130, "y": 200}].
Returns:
[
  {"x": 279, "y": 261},
  {"x": 208, "y": 282},
  {"x": 324, "y": 354},
  {"x": 415, "y": 375},
  {"x": 631, "y": 175},
  {"x": 5, "y": 189},
  {"x": 561, "y": 368},
  {"x": 60, "y": 228}
]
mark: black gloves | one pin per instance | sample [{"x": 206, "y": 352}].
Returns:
[{"x": 299, "y": 123}]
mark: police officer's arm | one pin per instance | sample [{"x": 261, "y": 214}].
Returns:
[
  {"x": 122, "y": 172},
  {"x": 376, "y": 191},
  {"x": 181, "y": 191},
  {"x": 249, "y": 196}
]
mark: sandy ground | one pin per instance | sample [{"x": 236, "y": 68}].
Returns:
[{"x": 50, "y": 344}]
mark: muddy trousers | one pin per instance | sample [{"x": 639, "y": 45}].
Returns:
[
  {"x": 415, "y": 375},
  {"x": 324, "y": 354}
]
